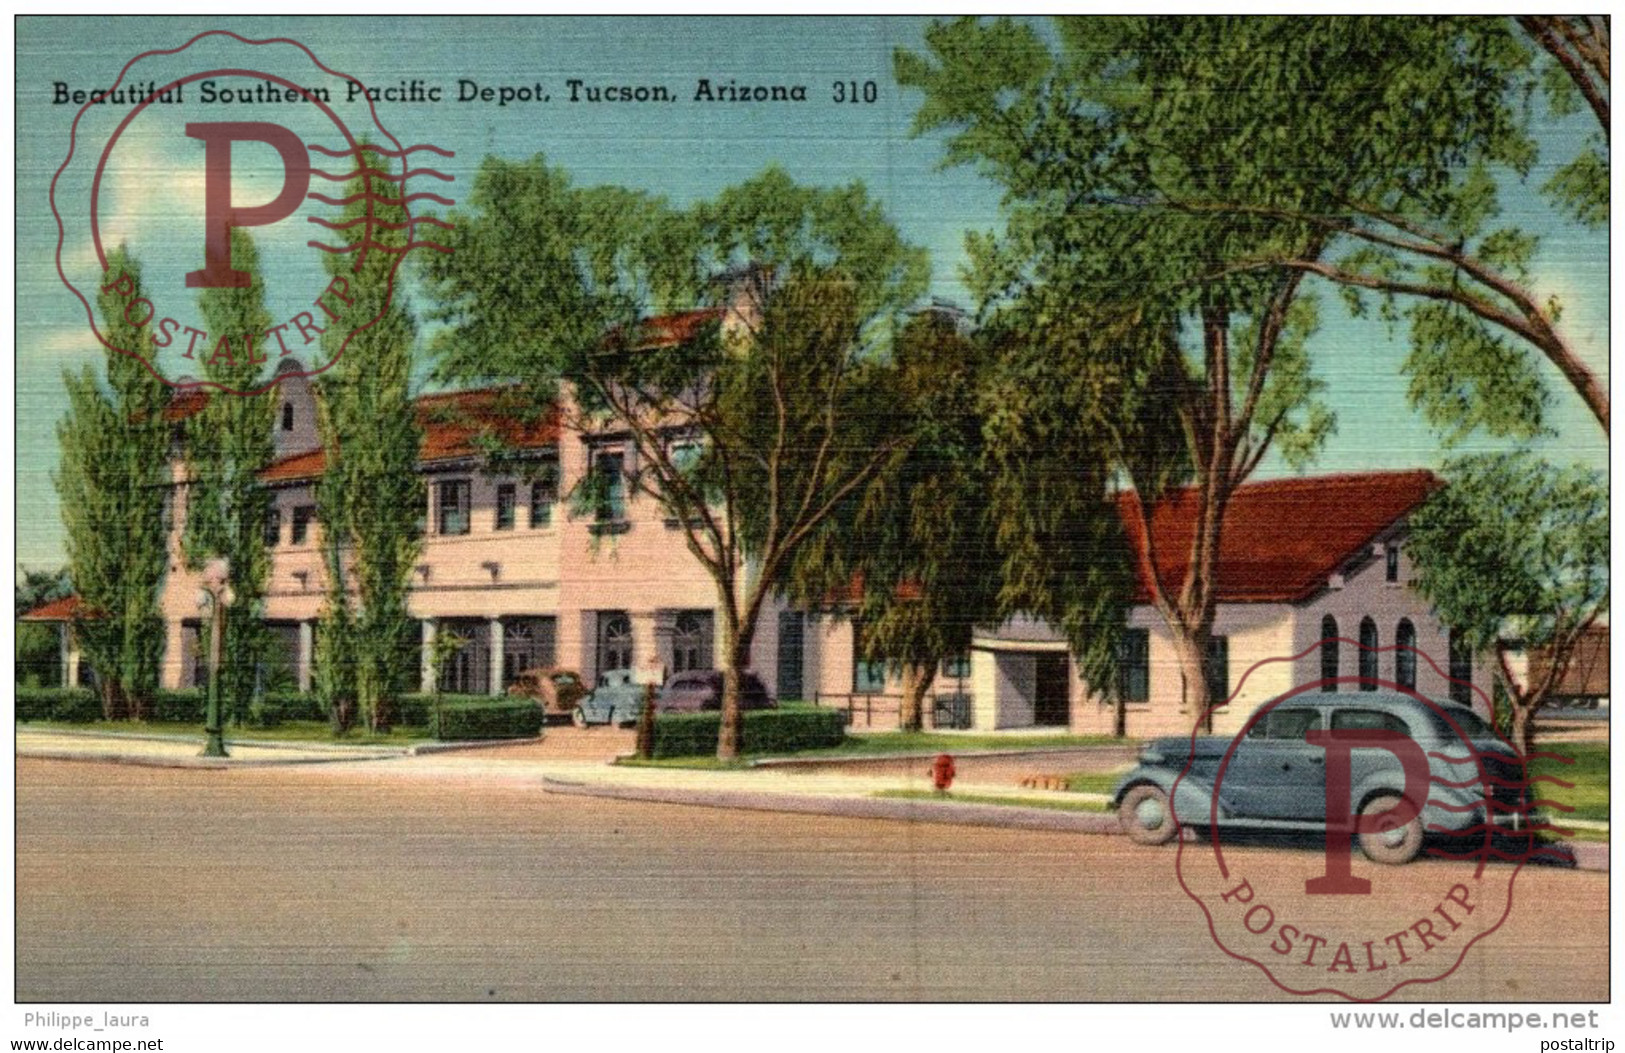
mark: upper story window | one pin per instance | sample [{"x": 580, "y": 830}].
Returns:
[
  {"x": 507, "y": 499},
  {"x": 273, "y": 528},
  {"x": 451, "y": 506},
  {"x": 1392, "y": 555},
  {"x": 544, "y": 493},
  {"x": 1328, "y": 653},
  {"x": 611, "y": 482},
  {"x": 957, "y": 667},
  {"x": 287, "y": 416},
  {"x": 303, "y": 516}
]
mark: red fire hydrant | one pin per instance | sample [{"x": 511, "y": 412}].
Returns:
[{"x": 942, "y": 772}]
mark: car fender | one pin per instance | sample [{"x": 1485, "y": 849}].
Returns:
[{"x": 1192, "y": 798}]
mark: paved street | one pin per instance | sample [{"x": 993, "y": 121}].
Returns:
[{"x": 406, "y": 880}]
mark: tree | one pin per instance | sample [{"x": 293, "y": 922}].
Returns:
[
  {"x": 370, "y": 488},
  {"x": 1579, "y": 46},
  {"x": 37, "y": 647},
  {"x": 1513, "y": 553},
  {"x": 914, "y": 561},
  {"x": 114, "y": 473},
  {"x": 1126, "y": 305},
  {"x": 750, "y": 432},
  {"x": 228, "y": 443},
  {"x": 1425, "y": 116}
]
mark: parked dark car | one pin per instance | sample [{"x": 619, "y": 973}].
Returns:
[
  {"x": 698, "y": 690},
  {"x": 1276, "y": 779}
]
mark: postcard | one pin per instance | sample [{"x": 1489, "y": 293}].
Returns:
[{"x": 1110, "y": 511}]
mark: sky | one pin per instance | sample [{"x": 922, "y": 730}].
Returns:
[{"x": 685, "y": 149}]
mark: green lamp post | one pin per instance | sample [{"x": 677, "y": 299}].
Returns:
[{"x": 215, "y": 597}]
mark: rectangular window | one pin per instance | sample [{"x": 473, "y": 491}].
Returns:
[
  {"x": 611, "y": 486},
  {"x": 451, "y": 507},
  {"x": 1392, "y": 569},
  {"x": 1217, "y": 667},
  {"x": 303, "y": 516},
  {"x": 506, "y": 500},
  {"x": 544, "y": 492},
  {"x": 1134, "y": 665},
  {"x": 273, "y": 528},
  {"x": 957, "y": 667},
  {"x": 1461, "y": 669}
]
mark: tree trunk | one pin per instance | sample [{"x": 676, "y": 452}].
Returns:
[
  {"x": 114, "y": 706},
  {"x": 1191, "y": 646},
  {"x": 917, "y": 680},
  {"x": 1523, "y": 728},
  {"x": 736, "y": 659}
]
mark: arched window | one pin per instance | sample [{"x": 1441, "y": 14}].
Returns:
[
  {"x": 1405, "y": 657},
  {"x": 1461, "y": 669},
  {"x": 1368, "y": 655},
  {"x": 1328, "y": 653},
  {"x": 614, "y": 641},
  {"x": 691, "y": 646}
]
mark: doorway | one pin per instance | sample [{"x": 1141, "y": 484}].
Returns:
[{"x": 1051, "y": 698}]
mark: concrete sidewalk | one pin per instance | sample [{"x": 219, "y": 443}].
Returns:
[{"x": 177, "y": 751}]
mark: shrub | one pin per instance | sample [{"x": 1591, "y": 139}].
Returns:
[
  {"x": 763, "y": 731},
  {"x": 413, "y": 710},
  {"x": 77, "y": 705},
  {"x": 182, "y": 707},
  {"x": 486, "y": 719}
]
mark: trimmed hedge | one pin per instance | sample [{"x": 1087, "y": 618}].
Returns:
[
  {"x": 414, "y": 711},
  {"x": 73, "y": 705},
  {"x": 486, "y": 719},
  {"x": 763, "y": 731}
]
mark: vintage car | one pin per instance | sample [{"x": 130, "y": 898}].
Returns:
[
  {"x": 618, "y": 699},
  {"x": 698, "y": 690},
  {"x": 1275, "y": 778},
  {"x": 556, "y": 690}
]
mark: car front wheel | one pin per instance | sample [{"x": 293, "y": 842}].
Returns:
[
  {"x": 578, "y": 717},
  {"x": 1146, "y": 817},
  {"x": 1390, "y": 843}
]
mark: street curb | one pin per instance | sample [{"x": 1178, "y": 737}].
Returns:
[
  {"x": 258, "y": 744},
  {"x": 1587, "y": 855},
  {"x": 425, "y": 749},
  {"x": 213, "y": 763},
  {"x": 853, "y": 807},
  {"x": 871, "y": 758}
]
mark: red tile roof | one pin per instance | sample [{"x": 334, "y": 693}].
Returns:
[
  {"x": 1282, "y": 538},
  {"x": 65, "y": 609},
  {"x": 451, "y": 423},
  {"x": 669, "y": 330},
  {"x": 185, "y": 404}
]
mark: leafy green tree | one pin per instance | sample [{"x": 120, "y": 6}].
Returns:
[
  {"x": 1578, "y": 46},
  {"x": 1424, "y": 116},
  {"x": 751, "y": 433},
  {"x": 370, "y": 493},
  {"x": 37, "y": 648},
  {"x": 918, "y": 544},
  {"x": 1130, "y": 307},
  {"x": 228, "y": 443},
  {"x": 112, "y": 481},
  {"x": 1514, "y": 554}
]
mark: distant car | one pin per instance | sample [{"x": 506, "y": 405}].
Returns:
[
  {"x": 1276, "y": 779},
  {"x": 698, "y": 690},
  {"x": 557, "y": 690},
  {"x": 617, "y": 699}
]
